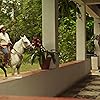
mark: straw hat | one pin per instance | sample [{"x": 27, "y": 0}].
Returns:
[{"x": 1, "y": 26}]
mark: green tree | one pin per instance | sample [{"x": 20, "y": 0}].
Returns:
[
  {"x": 67, "y": 30},
  {"x": 21, "y": 17},
  {"x": 25, "y": 17},
  {"x": 67, "y": 40},
  {"x": 90, "y": 47}
]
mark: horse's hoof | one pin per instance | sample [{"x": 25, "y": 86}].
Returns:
[
  {"x": 18, "y": 76},
  {"x": 5, "y": 78}
]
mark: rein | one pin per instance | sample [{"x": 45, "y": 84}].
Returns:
[{"x": 19, "y": 54}]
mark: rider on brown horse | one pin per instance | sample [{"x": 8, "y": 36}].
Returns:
[{"x": 4, "y": 43}]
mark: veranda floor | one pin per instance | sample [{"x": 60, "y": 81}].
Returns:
[{"x": 88, "y": 88}]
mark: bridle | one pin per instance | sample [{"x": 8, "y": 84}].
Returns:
[
  {"x": 19, "y": 54},
  {"x": 23, "y": 44}
]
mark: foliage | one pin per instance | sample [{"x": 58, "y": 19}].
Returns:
[
  {"x": 66, "y": 6},
  {"x": 67, "y": 40},
  {"x": 67, "y": 33},
  {"x": 21, "y": 17},
  {"x": 67, "y": 30},
  {"x": 25, "y": 17},
  {"x": 90, "y": 47}
]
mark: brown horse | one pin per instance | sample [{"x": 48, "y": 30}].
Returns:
[{"x": 16, "y": 55}]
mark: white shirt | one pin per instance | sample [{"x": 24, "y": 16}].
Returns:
[{"x": 4, "y": 39}]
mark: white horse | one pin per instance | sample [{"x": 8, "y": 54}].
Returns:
[{"x": 16, "y": 54}]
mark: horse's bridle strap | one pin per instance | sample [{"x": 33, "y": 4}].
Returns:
[{"x": 19, "y": 54}]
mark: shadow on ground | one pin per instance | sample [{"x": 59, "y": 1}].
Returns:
[{"x": 88, "y": 88}]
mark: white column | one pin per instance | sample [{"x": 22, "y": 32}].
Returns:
[
  {"x": 81, "y": 34},
  {"x": 96, "y": 32},
  {"x": 50, "y": 24}
]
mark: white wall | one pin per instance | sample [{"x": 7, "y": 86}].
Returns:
[{"x": 47, "y": 83}]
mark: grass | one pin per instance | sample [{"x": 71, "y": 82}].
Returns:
[{"x": 26, "y": 66}]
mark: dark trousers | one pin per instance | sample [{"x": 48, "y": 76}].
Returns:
[{"x": 6, "y": 55}]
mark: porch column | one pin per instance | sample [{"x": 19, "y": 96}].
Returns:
[
  {"x": 50, "y": 24},
  {"x": 81, "y": 33},
  {"x": 96, "y": 32}
]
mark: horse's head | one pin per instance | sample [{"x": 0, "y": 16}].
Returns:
[{"x": 25, "y": 42}]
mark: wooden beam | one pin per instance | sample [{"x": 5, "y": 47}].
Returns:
[
  {"x": 92, "y": 2},
  {"x": 89, "y": 10}
]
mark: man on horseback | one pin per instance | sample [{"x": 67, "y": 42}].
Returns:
[{"x": 4, "y": 44}]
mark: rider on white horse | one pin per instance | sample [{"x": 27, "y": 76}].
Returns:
[{"x": 4, "y": 43}]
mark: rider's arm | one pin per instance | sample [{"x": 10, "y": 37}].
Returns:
[{"x": 2, "y": 39}]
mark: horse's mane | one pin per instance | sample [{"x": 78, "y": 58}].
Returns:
[
  {"x": 17, "y": 46},
  {"x": 17, "y": 43}
]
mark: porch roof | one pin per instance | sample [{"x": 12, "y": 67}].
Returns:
[{"x": 93, "y": 7}]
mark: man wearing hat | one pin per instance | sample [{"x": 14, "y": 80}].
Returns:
[{"x": 4, "y": 43}]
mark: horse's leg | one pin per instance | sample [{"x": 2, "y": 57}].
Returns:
[
  {"x": 2, "y": 67},
  {"x": 13, "y": 70},
  {"x": 18, "y": 70}
]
